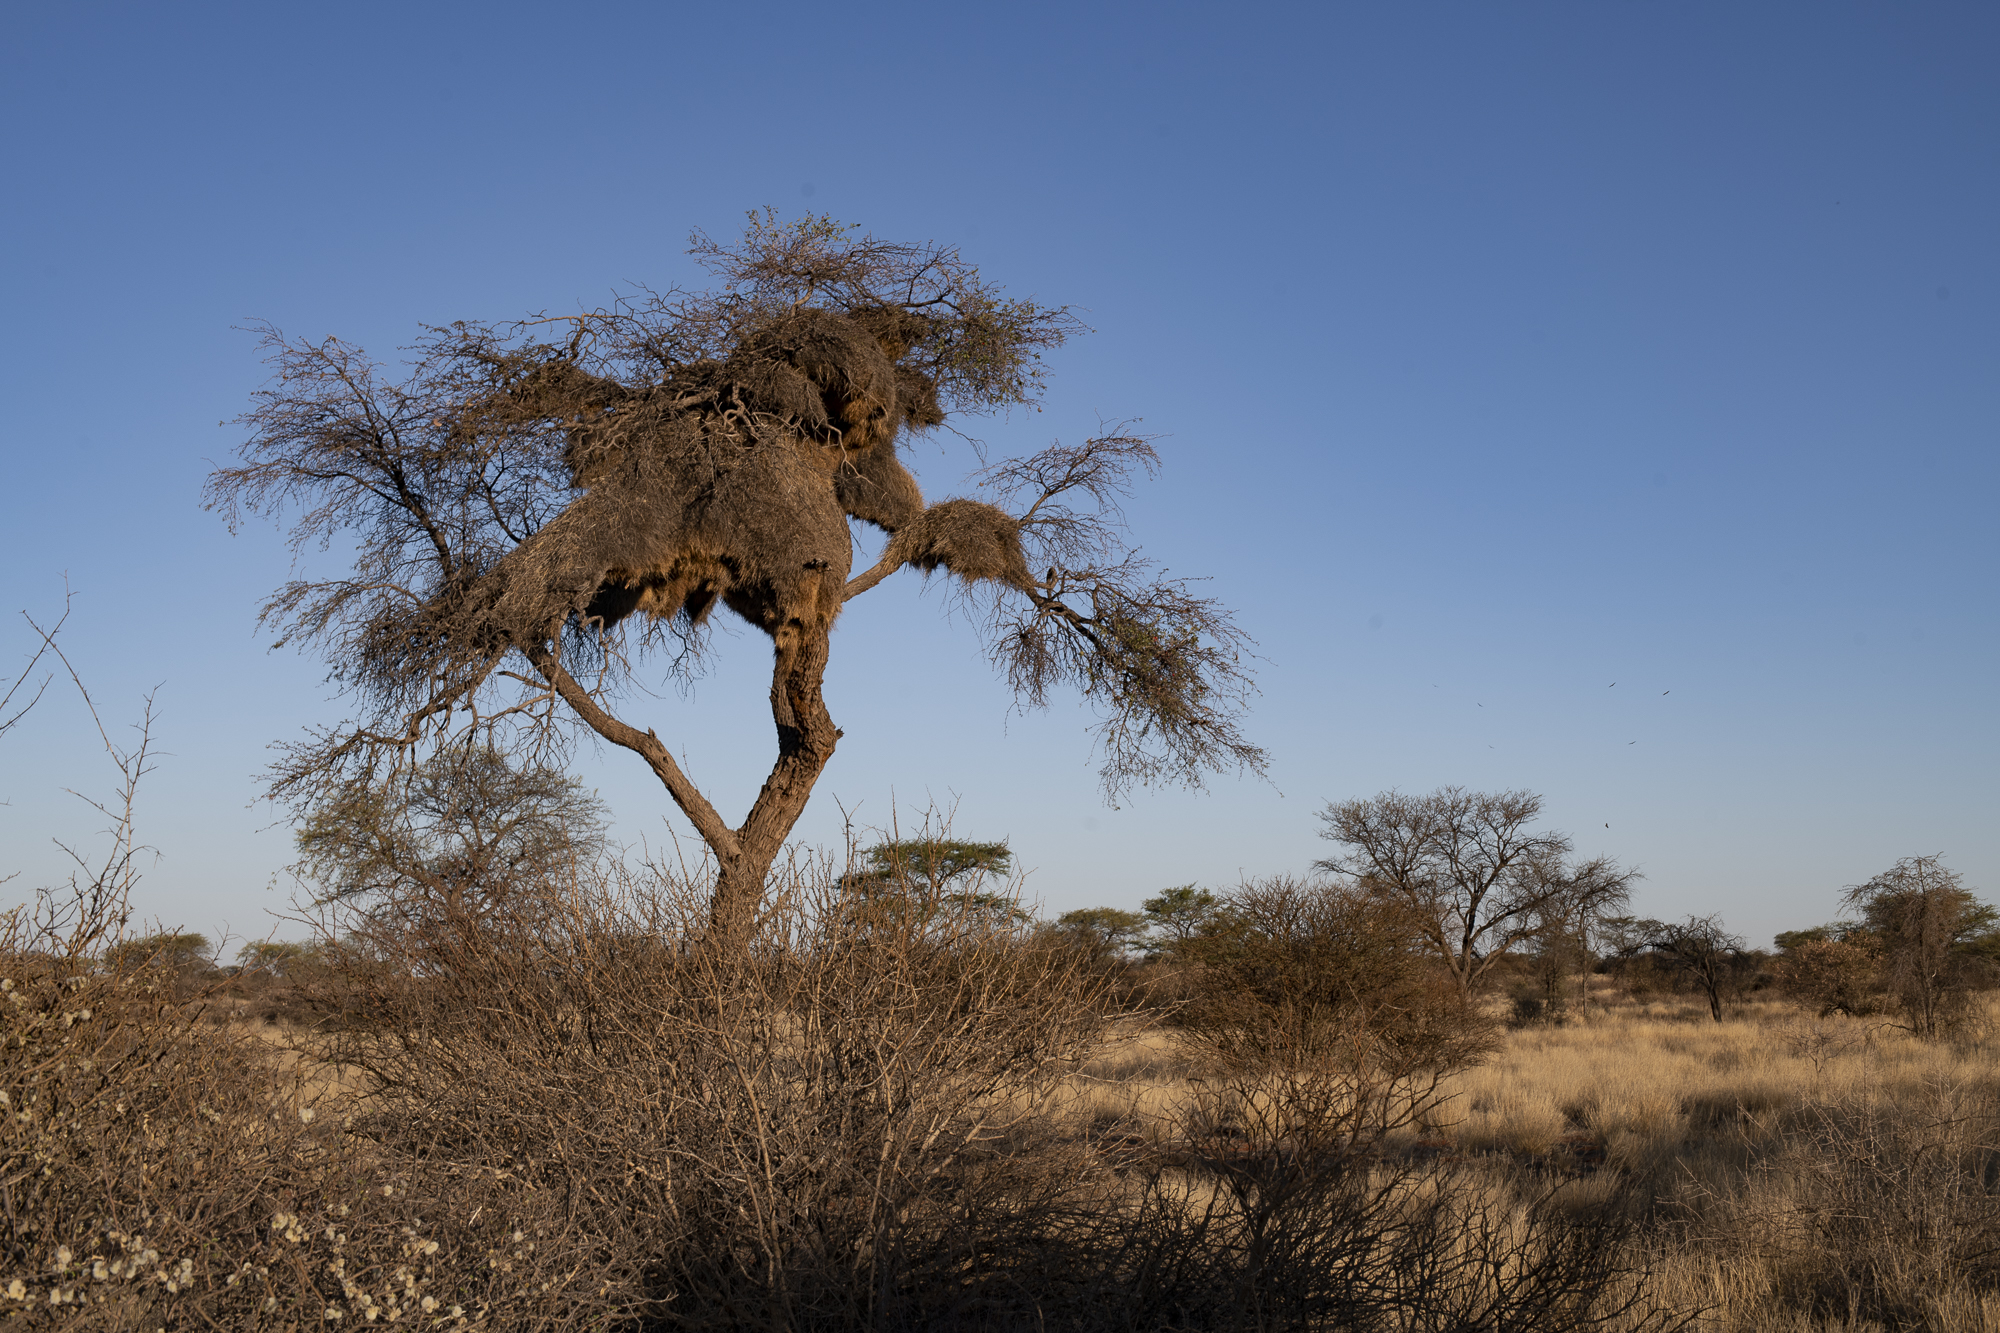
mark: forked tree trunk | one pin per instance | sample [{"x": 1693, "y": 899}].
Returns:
[{"x": 806, "y": 737}]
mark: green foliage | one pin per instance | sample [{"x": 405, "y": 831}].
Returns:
[
  {"x": 1177, "y": 915},
  {"x": 1105, "y": 932},
  {"x": 180, "y": 952},
  {"x": 937, "y": 861},
  {"x": 269, "y": 955},
  {"x": 922, "y": 880},
  {"x": 1979, "y": 933}
]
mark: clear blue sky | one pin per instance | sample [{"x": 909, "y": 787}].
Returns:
[{"x": 1501, "y": 352}]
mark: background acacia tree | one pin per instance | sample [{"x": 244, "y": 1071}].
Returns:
[
  {"x": 466, "y": 835},
  {"x": 1470, "y": 870},
  {"x": 485, "y": 491},
  {"x": 1698, "y": 948},
  {"x": 183, "y": 953},
  {"x": 1106, "y": 934},
  {"x": 1928, "y": 931},
  {"x": 934, "y": 878},
  {"x": 1177, "y": 915}
]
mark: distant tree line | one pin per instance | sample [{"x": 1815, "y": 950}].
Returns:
[
  {"x": 1495, "y": 906},
  {"x": 1454, "y": 886}
]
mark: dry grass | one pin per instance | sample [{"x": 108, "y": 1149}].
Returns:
[
  {"x": 1663, "y": 1073},
  {"x": 1795, "y": 1173},
  {"x": 1789, "y": 1173}
]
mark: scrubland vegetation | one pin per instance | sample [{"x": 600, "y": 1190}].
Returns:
[
  {"x": 517, "y": 1081},
  {"x": 906, "y": 1106}
]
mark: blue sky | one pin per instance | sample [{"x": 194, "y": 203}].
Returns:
[{"x": 1500, "y": 353}]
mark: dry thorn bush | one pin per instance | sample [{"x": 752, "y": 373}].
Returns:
[
  {"x": 826, "y": 1129},
  {"x": 159, "y": 1170}
]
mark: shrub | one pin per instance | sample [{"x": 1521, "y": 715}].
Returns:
[
  {"x": 823, "y": 1129},
  {"x": 1831, "y": 976}
]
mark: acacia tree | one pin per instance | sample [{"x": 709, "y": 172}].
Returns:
[
  {"x": 1470, "y": 870},
  {"x": 930, "y": 878},
  {"x": 1106, "y": 933},
  {"x": 521, "y": 492},
  {"x": 1699, "y": 948},
  {"x": 1921, "y": 917},
  {"x": 468, "y": 834},
  {"x": 1176, "y": 916}
]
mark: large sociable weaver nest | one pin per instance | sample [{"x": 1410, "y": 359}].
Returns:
[{"x": 732, "y": 481}]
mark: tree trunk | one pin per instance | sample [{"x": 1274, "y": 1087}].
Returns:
[
  {"x": 806, "y": 737},
  {"x": 1713, "y": 985}
]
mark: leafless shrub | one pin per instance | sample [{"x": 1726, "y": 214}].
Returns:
[
  {"x": 1821, "y": 1041},
  {"x": 1390, "y": 1249},
  {"x": 800, "y": 1134},
  {"x": 161, "y": 1170}
]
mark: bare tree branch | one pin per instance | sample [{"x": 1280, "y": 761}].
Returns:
[{"x": 1480, "y": 881}]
